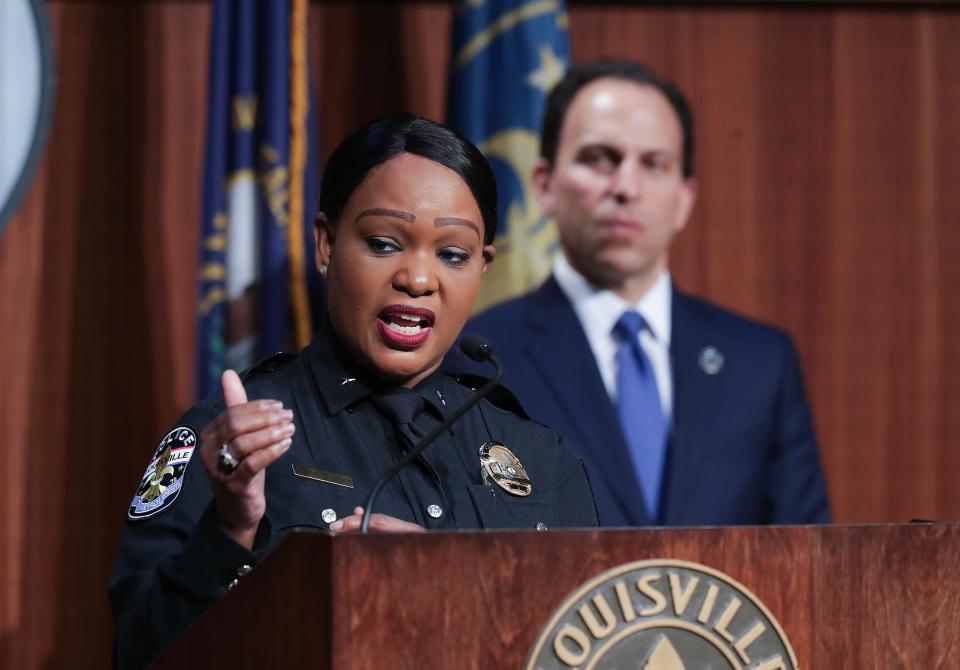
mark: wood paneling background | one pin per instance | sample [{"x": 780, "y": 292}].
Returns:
[{"x": 828, "y": 158}]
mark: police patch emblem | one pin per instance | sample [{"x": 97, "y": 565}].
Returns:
[
  {"x": 662, "y": 615},
  {"x": 163, "y": 478}
]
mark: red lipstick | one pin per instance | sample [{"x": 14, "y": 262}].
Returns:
[{"x": 404, "y": 326}]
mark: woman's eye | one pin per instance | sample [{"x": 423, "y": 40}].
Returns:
[
  {"x": 453, "y": 257},
  {"x": 382, "y": 245}
]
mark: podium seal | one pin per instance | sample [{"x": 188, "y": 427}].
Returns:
[{"x": 662, "y": 615}]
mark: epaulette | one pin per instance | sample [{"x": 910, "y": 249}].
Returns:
[
  {"x": 500, "y": 396},
  {"x": 268, "y": 365}
]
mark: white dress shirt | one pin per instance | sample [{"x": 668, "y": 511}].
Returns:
[{"x": 599, "y": 310}]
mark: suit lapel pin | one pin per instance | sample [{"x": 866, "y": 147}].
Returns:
[
  {"x": 711, "y": 360},
  {"x": 499, "y": 464}
]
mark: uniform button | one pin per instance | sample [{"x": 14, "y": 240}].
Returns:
[
  {"x": 328, "y": 515},
  {"x": 541, "y": 525},
  {"x": 244, "y": 570},
  {"x": 232, "y": 584},
  {"x": 435, "y": 511}
]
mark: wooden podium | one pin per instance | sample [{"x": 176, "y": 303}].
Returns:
[{"x": 854, "y": 597}]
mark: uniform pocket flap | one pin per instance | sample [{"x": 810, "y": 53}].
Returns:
[{"x": 498, "y": 509}]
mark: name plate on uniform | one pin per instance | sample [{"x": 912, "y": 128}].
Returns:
[{"x": 323, "y": 476}]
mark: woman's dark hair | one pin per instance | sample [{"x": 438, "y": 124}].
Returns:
[
  {"x": 581, "y": 74},
  {"x": 383, "y": 139}
]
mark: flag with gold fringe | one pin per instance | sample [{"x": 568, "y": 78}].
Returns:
[
  {"x": 507, "y": 55},
  {"x": 257, "y": 283}
]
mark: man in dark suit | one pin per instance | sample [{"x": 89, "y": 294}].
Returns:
[{"x": 684, "y": 413}]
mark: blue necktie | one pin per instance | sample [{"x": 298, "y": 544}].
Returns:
[{"x": 641, "y": 415}]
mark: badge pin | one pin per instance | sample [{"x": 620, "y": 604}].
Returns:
[
  {"x": 347, "y": 380},
  {"x": 711, "y": 360},
  {"x": 499, "y": 464}
]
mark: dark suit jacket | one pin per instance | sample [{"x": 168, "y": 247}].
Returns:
[{"x": 742, "y": 448}]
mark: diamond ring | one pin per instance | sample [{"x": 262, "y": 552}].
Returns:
[{"x": 226, "y": 461}]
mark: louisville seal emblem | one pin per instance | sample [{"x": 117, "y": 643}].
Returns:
[
  {"x": 163, "y": 478},
  {"x": 662, "y": 615}
]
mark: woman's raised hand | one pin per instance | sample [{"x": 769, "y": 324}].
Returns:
[{"x": 255, "y": 434}]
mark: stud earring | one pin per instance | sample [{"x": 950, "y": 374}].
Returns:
[{"x": 322, "y": 270}]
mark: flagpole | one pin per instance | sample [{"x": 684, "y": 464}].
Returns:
[{"x": 299, "y": 105}]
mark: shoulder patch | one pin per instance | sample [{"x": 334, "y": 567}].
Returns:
[
  {"x": 163, "y": 478},
  {"x": 500, "y": 396}
]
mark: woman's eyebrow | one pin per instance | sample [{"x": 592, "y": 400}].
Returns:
[
  {"x": 379, "y": 211},
  {"x": 454, "y": 221}
]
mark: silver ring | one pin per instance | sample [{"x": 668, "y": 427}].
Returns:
[{"x": 226, "y": 461}]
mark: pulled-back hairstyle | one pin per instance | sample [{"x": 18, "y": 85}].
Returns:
[
  {"x": 581, "y": 74},
  {"x": 383, "y": 139}
]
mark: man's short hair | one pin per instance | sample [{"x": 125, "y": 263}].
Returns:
[{"x": 581, "y": 74}]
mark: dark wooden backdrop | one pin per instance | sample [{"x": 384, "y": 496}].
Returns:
[{"x": 829, "y": 158}]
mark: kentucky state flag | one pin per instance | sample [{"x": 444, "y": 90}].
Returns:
[
  {"x": 257, "y": 279},
  {"x": 507, "y": 55}
]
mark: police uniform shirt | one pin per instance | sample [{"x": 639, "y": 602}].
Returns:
[{"x": 174, "y": 563}]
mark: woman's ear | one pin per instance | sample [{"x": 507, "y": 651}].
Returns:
[
  {"x": 489, "y": 253},
  {"x": 323, "y": 234}
]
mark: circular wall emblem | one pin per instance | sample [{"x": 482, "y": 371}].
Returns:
[
  {"x": 662, "y": 615},
  {"x": 26, "y": 96}
]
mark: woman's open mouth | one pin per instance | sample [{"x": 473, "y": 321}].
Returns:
[{"x": 405, "y": 327}]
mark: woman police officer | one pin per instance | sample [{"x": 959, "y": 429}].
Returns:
[{"x": 405, "y": 230}]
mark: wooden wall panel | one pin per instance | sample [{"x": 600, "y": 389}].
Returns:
[
  {"x": 97, "y": 292},
  {"x": 375, "y": 58},
  {"x": 828, "y": 153}
]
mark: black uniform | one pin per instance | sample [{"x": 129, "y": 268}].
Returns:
[{"x": 175, "y": 561}]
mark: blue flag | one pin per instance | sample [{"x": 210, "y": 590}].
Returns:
[
  {"x": 507, "y": 55},
  {"x": 258, "y": 285}
]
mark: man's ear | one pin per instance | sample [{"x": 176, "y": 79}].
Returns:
[
  {"x": 688, "y": 197},
  {"x": 541, "y": 177},
  {"x": 323, "y": 235}
]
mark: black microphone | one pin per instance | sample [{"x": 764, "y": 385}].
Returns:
[{"x": 479, "y": 350}]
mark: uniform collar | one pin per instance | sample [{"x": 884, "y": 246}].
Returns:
[{"x": 341, "y": 381}]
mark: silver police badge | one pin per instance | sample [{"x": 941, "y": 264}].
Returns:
[
  {"x": 662, "y": 615},
  {"x": 498, "y": 463},
  {"x": 163, "y": 478}
]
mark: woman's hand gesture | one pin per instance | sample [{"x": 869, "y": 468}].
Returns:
[
  {"x": 383, "y": 523},
  {"x": 255, "y": 434}
]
